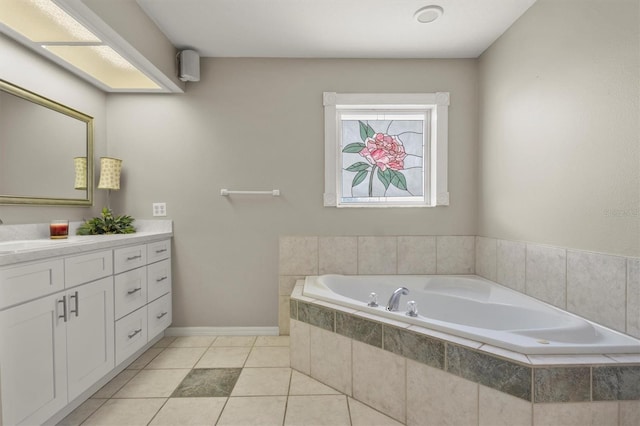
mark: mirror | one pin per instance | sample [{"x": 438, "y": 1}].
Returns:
[{"x": 41, "y": 144}]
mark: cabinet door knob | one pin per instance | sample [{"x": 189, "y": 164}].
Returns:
[
  {"x": 134, "y": 257},
  {"x": 161, "y": 315},
  {"x": 134, "y": 290},
  {"x": 134, "y": 332},
  {"x": 161, "y": 279},
  {"x": 161, "y": 250}
]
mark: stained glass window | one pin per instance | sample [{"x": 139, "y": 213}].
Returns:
[
  {"x": 386, "y": 150},
  {"x": 383, "y": 157}
]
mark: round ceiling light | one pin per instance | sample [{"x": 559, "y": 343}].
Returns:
[{"x": 428, "y": 14}]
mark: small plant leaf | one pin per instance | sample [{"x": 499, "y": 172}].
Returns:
[
  {"x": 107, "y": 224},
  {"x": 357, "y": 180},
  {"x": 358, "y": 167},
  {"x": 354, "y": 148}
]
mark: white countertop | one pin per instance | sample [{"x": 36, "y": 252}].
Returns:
[{"x": 147, "y": 230}]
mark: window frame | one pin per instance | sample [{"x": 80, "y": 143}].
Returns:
[{"x": 436, "y": 185}]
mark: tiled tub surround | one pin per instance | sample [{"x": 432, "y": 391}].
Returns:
[
  {"x": 367, "y": 255},
  {"x": 423, "y": 377},
  {"x": 600, "y": 287}
]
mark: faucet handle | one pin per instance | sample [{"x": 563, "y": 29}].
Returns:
[
  {"x": 373, "y": 300},
  {"x": 412, "y": 308}
]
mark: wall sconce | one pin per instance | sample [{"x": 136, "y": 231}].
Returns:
[
  {"x": 109, "y": 175},
  {"x": 80, "y": 165}
]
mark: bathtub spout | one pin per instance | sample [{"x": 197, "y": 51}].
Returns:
[{"x": 394, "y": 300}]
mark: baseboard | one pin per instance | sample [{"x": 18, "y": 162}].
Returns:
[{"x": 222, "y": 331}]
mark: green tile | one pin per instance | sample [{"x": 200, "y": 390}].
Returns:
[
  {"x": 495, "y": 373},
  {"x": 316, "y": 315},
  {"x": 616, "y": 383},
  {"x": 415, "y": 346},
  {"x": 562, "y": 384},
  {"x": 208, "y": 382},
  {"x": 360, "y": 329}
]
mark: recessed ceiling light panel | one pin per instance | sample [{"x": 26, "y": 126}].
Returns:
[
  {"x": 428, "y": 14},
  {"x": 43, "y": 21},
  {"x": 104, "y": 64}
]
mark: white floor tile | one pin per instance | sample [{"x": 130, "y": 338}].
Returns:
[
  {"x": 224, "y": 357},
  {"x": 266, "y": 356},
  {"x": 254, "y": 411},
  {"x": 189, "y": 412},
  {"x": 317, "y": 410},
  {"x": 125, "y": 412},
  {"x": 262, "y": 381},
  {"x": 153, "y": 384}
]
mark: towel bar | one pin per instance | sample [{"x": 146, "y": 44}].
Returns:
[{"x": 227, "y": 192}]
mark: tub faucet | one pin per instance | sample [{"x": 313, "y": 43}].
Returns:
[{"x": 394, "y": 300}]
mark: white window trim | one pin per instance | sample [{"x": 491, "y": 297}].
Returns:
[{"x": 438, "y": 103}]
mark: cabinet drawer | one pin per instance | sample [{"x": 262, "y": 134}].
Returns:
[
  {"x": 88, "y": 267},
  {"x": 158, "y": 251},
  {"x": 158, "y": 279},
  {"x": 131, "y": 334},
  {"x": 159, "y": 315},
  {"x": 130, "y": 291},
  {"x": 128, "y": 258},
  {"x": 29, "y": 281}
]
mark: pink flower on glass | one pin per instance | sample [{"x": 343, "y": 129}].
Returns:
[{"x": 384, "y": 151}]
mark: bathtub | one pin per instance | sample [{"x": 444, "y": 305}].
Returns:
[{"x": 472, "y": 307}]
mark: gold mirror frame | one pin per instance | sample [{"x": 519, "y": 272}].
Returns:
[{"x": 62, "y": 109}]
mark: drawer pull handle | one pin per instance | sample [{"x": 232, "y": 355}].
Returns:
[
  {"x": 161, "y": 250},
  {"x": 134, "y": 257},
  {"x": 74, "y": 296},
  {"x": 134, "y": 332},
  {"x": 134, "y": 290},
  {"x": 161, "y": 315},
  {"x": 64, "y": 308},
  {"x": 159, "y": 280}
]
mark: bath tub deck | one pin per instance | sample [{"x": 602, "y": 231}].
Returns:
[{"x": 420, "y": 375}]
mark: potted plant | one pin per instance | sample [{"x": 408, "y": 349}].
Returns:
[{"x": 107, "y": 224}]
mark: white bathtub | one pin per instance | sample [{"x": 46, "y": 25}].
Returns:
[{"x": 474, "y": 308}]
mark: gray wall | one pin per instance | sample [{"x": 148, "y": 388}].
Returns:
[
  {"x": 258, "y": 124},
  {"x": 559, "y": 150},
  {"x": 554, "y": 102}
]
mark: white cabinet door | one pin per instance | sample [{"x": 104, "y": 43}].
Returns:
[
  {"x": 33, "y": 360},
  {"x": 90, "y": 344}
]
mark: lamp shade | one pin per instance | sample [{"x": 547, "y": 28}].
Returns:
[
  {"x": 110, "y": 173},
  {"x": 80, "y": 165}
]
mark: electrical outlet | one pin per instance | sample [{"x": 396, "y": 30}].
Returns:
[{"x": 159, "y": 209}]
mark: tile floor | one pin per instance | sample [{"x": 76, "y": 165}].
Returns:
[{"x": 223, "y": 380}]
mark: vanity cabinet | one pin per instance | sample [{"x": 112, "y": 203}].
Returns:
[
  {"x": 53, "y": 348},
  {"x": 65, "y": 323},
  {"x": 33, "y": 347},
  {"x": 143, "y": 274}
]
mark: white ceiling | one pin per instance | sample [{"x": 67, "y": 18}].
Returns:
[{"x": 333, "y": 28}]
